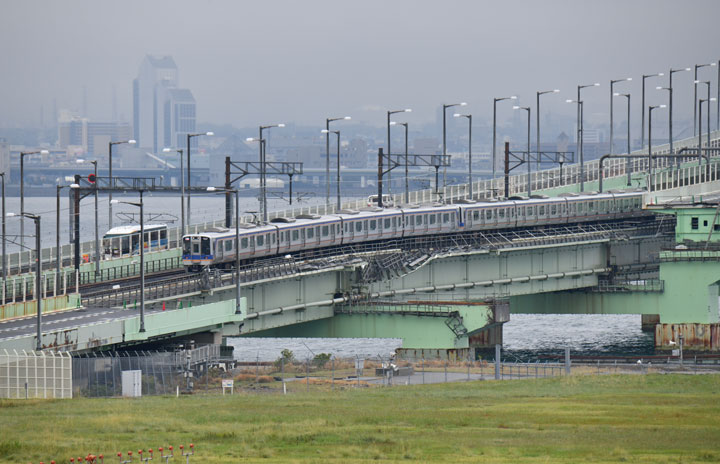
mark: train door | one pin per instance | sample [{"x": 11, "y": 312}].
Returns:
[{"x": 219, "y": 245}]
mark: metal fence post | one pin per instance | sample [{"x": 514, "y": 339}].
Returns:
[
  {"x": 567, "y": 361},
  {"x": 497, "y": 362}
]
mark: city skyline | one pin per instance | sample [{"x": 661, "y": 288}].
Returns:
[{"x": 301, "y": 63}]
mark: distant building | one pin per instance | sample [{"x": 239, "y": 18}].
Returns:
[
  {"x": 426, "y": 146},
  {"x": 163, "y": 114},
  {"x": 355, "y": 154},
  {"x": 93, "y": 137},
  {"x": 4, "y": 156}
]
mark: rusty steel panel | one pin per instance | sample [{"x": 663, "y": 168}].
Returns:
[{"x": 703, "y": 337}]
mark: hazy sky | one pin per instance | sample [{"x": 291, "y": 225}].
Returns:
[{"x": 253, "y": 62}]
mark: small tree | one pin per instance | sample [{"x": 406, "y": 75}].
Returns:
[
  {"x": 286, "y": 357},
  {"x": 321, "y": 359}
]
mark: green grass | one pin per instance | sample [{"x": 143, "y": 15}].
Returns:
[{"x": 630, "y": 418}]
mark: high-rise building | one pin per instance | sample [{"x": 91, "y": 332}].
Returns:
[
  {"x": 93, "y": 137},
  {"x": 163, "y": 114}
]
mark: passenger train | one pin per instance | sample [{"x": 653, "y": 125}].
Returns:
[{"x": 306, "y": 232}]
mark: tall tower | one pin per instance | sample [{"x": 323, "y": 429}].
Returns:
[{"x": 161, "y": 111}]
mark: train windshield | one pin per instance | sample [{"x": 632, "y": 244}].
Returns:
[
  {"x": 205, "y": 246},
  {"x": 187, "y": 246}
]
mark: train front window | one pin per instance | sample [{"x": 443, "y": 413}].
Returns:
[
  {"x": 187, "y": 246},
  {"x": 205, "y": 246}
]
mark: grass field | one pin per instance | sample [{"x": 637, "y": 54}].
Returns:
[{"x": 625, "y": 418}]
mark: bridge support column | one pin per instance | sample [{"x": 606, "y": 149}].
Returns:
[{"x": 649, "y": 321}]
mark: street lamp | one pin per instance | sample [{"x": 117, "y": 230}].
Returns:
[
  {"x": 141, "y": 243},
  {"x": 110, "y": 145},
  {"x": 407, "y": 190},
  {"x": 704, "y": 100},
  {"x": 38, "y": 288},
  {"x": 650, "y": 110},
  {"x": 189, "y": 136},
  {"x": 642, "y": 104},
  {"x": 537, "y": 119},
  {"x": 23, "y": 154},
  {"x": 708, "y": 112},
  {"x": 445, "y": 107},
  {"x": 238, "y": 310},
  {"x": 58, "y": 263},
  {"x": 627, "y": 162},
  {"x": 470, "y": 179},
  {"x": 182, "y": 188},
  {"x": 327, "y": 159},
  {"x": 389, "y": 153},
  {"x": 612, "y": 94},
  {"x": 337, "y": 179},
  {"x": 263, "y": 173},
  {"x": 97, "y": 237},
  {"x": 580, "y": 132},
  {"x": 262, "y": 149},
  {"x": 527, "y": 108},
  {"x": 495, "y": 100},
  {"x": 670, "y": 132},
  {"x": 696, "y": 82},
  {"x": 4, "y": 261}
]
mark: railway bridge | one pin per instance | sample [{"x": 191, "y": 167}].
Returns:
[{"x": 446, "y": 297}]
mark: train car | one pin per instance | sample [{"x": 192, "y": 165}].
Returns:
[
  {"x": 310, "y": 232},
  {"x": 125, "y": 240}
]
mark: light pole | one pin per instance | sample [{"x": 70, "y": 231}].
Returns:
[
  {"x": 58, "y": 263},
  {"x": 612, "y": 94},
  {"x": 495, "y": 100},
  {"x": 580, "y": 133},
  {"x": 389, "y": 153},
  {"x": 38, "y": 283},
  {"x": 445, "y": 107},
  {"x": 97, "y": 237},
  {"x": 263, "y": 171},
  {"x": 238, "y": 309},
  {"x": 337, "y": 177},
  {"x": 262, "y": 150},
  {"x": 189, "y": 136},
  {"x": 23, "y": 154},
  {"x": 527, "y": 108},
  {"x": 669, "y": 87},
  {"x": 695, "y": 109},
  {"x": 407, "y": 190},
  {"x": 4, "y": 261},
  {"x": 708, "y": 112},
  {"x": 650, "y": 110},
  {"x": 141, "y": 243},
  {"x": 110, "y": 146},
  {"x": 717, "y": 112},
  {"x": 182, "y": 188},
  {"x": 627, "y": 162},
  {"x": 470, "y": 178},
  {"x": 704, "y": 100},
  {"x": 537, "y": 119},
  {"x": 327, "y": 159},
  {"x": 642, "y": 104}
]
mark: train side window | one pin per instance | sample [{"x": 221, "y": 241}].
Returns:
[
  {"x": 295, "y": 235},
  {"x": 260, "y": 240},
  {"x": 205, "y": 246},
  {"x": 244, "y": 242},
  {"x": 591, "y": 206},
  {"x": 501, "y": 213},
  {"x": 553, "y": 209},
  {"x": 273, "y": 239},
  {"x": 325, "y": 231},
  {"x": 542, "y": 210},
  {"x": 394, "y": 222},
  {"x": 346, "y": 227},
  {"x": 229, "y": 245},
  {"x": 163, "y": 234},
  {"x": 338, "y": 229},
  {"x": 373, "y": 224},
  {"x": 432, "y": 219},
  {"x": 310, "y": 232},
  {"x": 694, "y": 222},
  {"x": 365, "y": 224},
  {"x": 302, "y": 234},
  {"x": 358, "y": 226},
  {"x": 387, "y": 223},
  {"x": 287, "y": 236},
  {"x": 488, "y": 214},
  {"x": 476, "y": 215},
  {"x": 446, "y": 218},
  {"x": 418, "y": 220}
]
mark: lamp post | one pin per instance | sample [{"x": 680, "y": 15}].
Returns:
[
  {"x": 445, "y": 107},
  {"x": 612, "y": 94},
  {"x": 495, "y": 100},
  {"x": 389, "y": 153},
  {"x": 537, "y": 119},
  {"x": 110, "y": 146},
  {"x": 695, "y": 108},
  {"x": 642, "y": 104},
  {"x": 650, "y": 110},
  {"x": 669, "y": 87},
  {"x": 182, "y": 188},
  {"x": 263, "y": 173},
  {"x": 337, "y": 179},
  {"x": 58, "y": 263},
  {"x": 97, "y": 237},
  {"x": 327, "y": 159},
  {"x": 141, "y": 243},
  {"x": 407, "y": 190},
  {"x": 580, "y": 132},
  {"x": 238, "y": 309},
  {"x": 38, "y": 283},
  {"x": 704, "y": 100},
  {"x": 717, "y": 111},
  {"x": 189, "y": 183},
  {"x": 23, "y": 154},
  {"x": 627, "y": 162},
  {"x": 470, "y": 179},
  {"x": 4, "y": 261},
  {"x": 527, "y": 108},
  {"x": 707, "y": 83}
]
